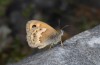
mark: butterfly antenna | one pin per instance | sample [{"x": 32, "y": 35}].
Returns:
[
  {"x": 64, "y": 27},
  {"x": 60, "y": 26},
  {"x": 59, "y": 23}
]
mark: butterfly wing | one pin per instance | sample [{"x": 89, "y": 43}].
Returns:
[{"x": 39, "y": 34}]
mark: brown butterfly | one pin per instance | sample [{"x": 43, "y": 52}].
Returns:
[{"x": 40, "y": 34}]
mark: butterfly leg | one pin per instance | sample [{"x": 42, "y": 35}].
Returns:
[
  {"x": 51, "y": 46},
  {"x": 61, "y": 43},
  {"x": 42, "y": 46}
]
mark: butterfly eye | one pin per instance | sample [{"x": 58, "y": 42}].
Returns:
[
  {"x": 33, "y": 26},
  {"x": 40, "y": 29}
]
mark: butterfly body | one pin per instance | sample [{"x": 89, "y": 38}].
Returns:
[{"x": 40, "y": 34}]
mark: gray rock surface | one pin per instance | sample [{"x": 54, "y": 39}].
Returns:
[{"x": 82, "y": 49}]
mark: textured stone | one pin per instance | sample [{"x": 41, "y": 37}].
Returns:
[{"x": 82, "y": 49}]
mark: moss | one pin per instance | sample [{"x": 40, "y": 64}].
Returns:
[
  {"x": 3, "y": 5},
  {"x": 27, "y": 11}
]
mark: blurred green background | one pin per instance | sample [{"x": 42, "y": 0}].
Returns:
[{"x": 80, "y": 15}]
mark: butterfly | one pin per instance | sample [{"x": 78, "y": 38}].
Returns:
[{"x": 40, "y": 34}]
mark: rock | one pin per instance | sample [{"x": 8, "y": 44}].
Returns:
[
  {"x": 82, "y": 49},
  {"x": 5, "y": 39}
]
